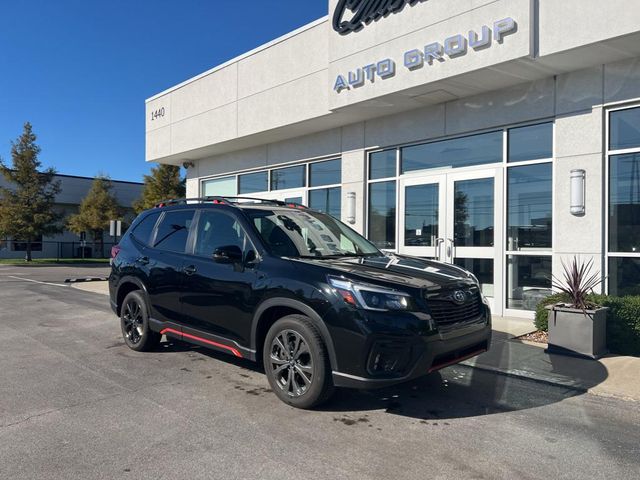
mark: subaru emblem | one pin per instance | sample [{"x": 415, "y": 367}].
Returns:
[{"x": 459, "y": 296}]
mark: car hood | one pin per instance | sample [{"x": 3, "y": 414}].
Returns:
[{"x": 403, "y": 270}]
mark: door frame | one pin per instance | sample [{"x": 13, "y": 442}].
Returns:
[{"x": 446, "y": 250}]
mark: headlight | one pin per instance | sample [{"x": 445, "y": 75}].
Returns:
[{"x": 371, "y": 297}]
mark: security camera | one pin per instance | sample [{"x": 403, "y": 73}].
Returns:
[{"x": 188, "y": 164}]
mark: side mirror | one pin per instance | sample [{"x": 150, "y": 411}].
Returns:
[{"x": 227, "y": 254}]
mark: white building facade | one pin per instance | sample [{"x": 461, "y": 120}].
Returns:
[{"x": 500, "y": 135}]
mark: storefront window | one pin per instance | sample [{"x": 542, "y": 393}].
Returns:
[
  {"x": 326, "y": 200},
  {"x": 624, "y": 203},
  {"x": 529, "y": 207},
  {"x": 290, "y": 177},
  {"x": 252, "y": 182},
  {"x": 528, "y": 281},
  {"x": 624, "y": 276},
  {"x": 532, "y": 142},
  {"x": 457, "y": 152},
  {"x": 474, "y": 213},
  {"x": 382, "y": 164},
  {"x": 325, "y": 173},
  {"x": 624, "y": 127},
  {"x": 382, "y": 214},
  {"x": 421, "y": 215},
  {"x": 221, "y": 187}
]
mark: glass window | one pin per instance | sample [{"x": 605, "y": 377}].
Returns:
[
  {"x": 326, "y": 200},
  {"x": 290, "y": 177},
  {"x": 529, "y": 212},
  {"x": 624, "y": 276},
  {"x": 295, "y": 233},
  {"x": 531, "y": 143},
  {"x": 220, "y": 187},
  {"x": 624, "y": 203},
  {"x": 382, "y": 164},
  {"x": 144, "y": 229},
  {"x": 382, "y": 214},
  {"x": 36, "y": 245},
  {"x": 325, "y": 173},
  {"x": 173, "y": 231},
  {"x": 421, "y": 215},
  {"x": 252, "y": 183},
  {"x": 482, "y": 268},
  {"x": 624, "y": 129},
  {"x": 455, "y": 153},
  {"x": 473, "y": 216},
  {"x": 215, "y": 230},
  {"x": 528, "y": 281}
]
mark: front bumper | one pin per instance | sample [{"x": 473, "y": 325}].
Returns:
[{"x": 401, "y": 357}]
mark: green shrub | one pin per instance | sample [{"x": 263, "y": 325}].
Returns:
[
  {"x": 542, "y": 314},
  {"x": 623, "y": 320}
]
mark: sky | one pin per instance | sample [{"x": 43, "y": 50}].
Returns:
[{"x": 80, "y": 70}]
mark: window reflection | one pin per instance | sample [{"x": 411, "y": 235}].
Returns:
[
  {"x": 624, "y": 127},
  {"x": 326, "y": 200},
  {"x": 290, "y": 177},
  {"x": 482, "y": 268},
  {"x": 624, "y": 276},
  {"x": 382, "y": 214},
  {"x": 325, "y": 173},
  {"x": 529, "y": 207},
  {"x": 474, "y": 213},
  {"x": 532, "y": 142},
  {"x": 252, "y": 182},
  {"x": 624, "y": 203},
  {"x": 382, "y": 164},
  {"x": 421, "y": 215},
  {"x": 528, "y": 281}
]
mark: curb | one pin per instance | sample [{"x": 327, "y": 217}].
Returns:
[{"x": 86, "y": 279}]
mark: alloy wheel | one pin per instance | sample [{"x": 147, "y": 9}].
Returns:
[
  {"x": 133, "y": 322},
  {"x": 291, "y": 363}
]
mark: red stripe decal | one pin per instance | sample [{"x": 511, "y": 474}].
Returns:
[{"x": 203, "y": 340}]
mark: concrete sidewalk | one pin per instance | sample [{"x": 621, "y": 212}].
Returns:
[{"x": 613, "y": 375}]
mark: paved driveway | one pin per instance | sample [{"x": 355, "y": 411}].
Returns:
[{"x": 76, "y": 403}]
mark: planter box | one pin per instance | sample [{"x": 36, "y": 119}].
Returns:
[{"x": 574, "y": 332}]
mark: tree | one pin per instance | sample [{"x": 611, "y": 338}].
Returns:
[
  {"x": 26, "y": 207},
  {"x": 163, "y": 183},
  {"x": 97, "y": 209}
]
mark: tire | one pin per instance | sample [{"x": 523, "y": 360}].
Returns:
[
  {"x": 294, "y": 345},
  {"x": 134, "y": 323}
]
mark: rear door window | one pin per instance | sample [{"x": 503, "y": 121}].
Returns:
[
  {"x": 144, "y": 229},
  {"x": 173, "y": 231}
]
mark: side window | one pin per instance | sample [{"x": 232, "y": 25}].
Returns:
[
  {"x": 144, "y": 229},
  {"x": 173, "y": 231},
  {"x": 215, "y": 230}
]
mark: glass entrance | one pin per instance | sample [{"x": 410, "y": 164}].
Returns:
[{"x": 454, "y": 218}]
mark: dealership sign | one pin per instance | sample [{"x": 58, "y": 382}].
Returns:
[
  {"x": 363, "y": 12},
  {"x": 433, "y": 53}
]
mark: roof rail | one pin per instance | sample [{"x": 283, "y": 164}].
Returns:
[{"x": 227, "y": 200}]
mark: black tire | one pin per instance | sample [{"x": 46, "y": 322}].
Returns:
[
  {"x": 134, "y": 323},
  {"x": 296, "y": 362}
]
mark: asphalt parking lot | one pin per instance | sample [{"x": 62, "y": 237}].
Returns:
[{"x": 76, "y": 403}]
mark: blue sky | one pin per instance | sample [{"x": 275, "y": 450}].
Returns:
[{"x": 80, "y": 70}]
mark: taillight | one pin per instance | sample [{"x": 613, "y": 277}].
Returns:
[{"x": 115, "y": 250}]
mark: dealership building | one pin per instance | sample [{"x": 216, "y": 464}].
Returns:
[{"x": 499, "y": 135}]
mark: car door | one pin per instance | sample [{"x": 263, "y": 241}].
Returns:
[
  {"x": 165, "y": 262},
  {"x": 220, "y": 296}
]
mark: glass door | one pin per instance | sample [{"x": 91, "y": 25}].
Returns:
[{"x": 455, "y": 218}]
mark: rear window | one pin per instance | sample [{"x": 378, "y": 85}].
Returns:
[
  {"x": 173, "y": 231},
  {"x": 144, "y": 229}
]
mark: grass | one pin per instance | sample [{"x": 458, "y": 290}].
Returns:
[{"x": 48, "y": 261}]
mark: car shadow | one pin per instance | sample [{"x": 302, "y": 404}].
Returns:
[{"x": 457, "y": 391}]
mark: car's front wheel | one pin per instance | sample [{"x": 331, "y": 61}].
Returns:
[
  {"x": 134, "y": 322},
  {"x": 296, "y": 362}
]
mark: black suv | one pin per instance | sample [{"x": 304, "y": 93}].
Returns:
[{"x": 275, "y": 282}]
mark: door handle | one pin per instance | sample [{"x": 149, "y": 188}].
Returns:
[
  {"x": 143, "y": 260},
  {"x": 450, "y": 249},
  {"x": 439, "y": 242},
  {"x": 190, "y": 270}
]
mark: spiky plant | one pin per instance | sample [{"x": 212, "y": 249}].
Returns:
[{"x": 578, "y": 282}]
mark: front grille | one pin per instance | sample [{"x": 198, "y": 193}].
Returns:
[{"x": 445, "y": 311}]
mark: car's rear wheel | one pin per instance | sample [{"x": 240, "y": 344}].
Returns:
[
  {"x": 296, "y": 362},
  {"x": 134, "y": 322}
]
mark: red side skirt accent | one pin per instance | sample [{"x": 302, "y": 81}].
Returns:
[{"x": 203, "y": 340}]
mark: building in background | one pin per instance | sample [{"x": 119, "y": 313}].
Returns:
[
  {"x": 503, "y": 136},
  {"x": 67, "y": 244}
]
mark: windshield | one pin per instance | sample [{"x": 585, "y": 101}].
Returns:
[{"x": 304, "y": 233}]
